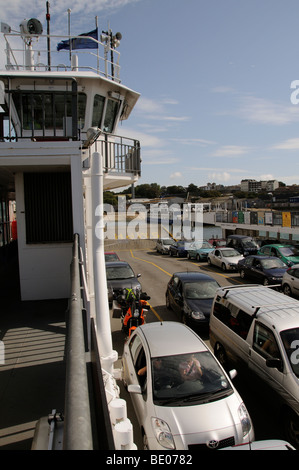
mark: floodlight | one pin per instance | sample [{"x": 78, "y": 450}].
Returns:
[{"x": 32, "y": 26}]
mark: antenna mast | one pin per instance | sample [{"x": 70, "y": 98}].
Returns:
[{"x": 48, "y": 33}]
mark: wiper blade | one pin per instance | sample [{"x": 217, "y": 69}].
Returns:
[{"x": 207, "y": 395}]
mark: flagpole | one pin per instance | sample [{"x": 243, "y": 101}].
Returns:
[
  {"x": 98, "y": 57},
  {"x": 69, "y": 26}
]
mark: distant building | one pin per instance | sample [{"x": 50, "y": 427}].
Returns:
[{"x": 253, "y": 186}]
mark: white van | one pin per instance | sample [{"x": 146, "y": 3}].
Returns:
[{"x": 258, "y": 326}]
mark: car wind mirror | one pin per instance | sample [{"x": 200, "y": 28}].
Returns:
[
  {"x": 134, "y": 388},
  {"x": 274, "y": 363},
  {"x": 233, "y": 373}
]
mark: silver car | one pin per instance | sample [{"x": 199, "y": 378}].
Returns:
[
  {"x": 182, "y": 397},
  {"x": 290, "y": 281},
  {"x": 225, "y": 258}
]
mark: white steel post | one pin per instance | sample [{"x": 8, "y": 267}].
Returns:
[{"x": 108, "y": 356}]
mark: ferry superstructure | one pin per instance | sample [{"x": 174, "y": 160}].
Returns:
[{"x": 59, "y": 150}]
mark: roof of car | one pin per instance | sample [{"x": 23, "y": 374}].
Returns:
[
  {"x": 261, "y": 257},
  {"x": 193, "y": 276},
  {"x": 171, "y": 338},
  {"x": 116, "y": 263},
  {"x": 260, "y": 300},
  {"x": 276, "y": 245}
]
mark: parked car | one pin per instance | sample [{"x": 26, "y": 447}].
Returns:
[
  {"x": 217, "y": 242},
  {"x": 190, "y": 295},
  {"x": 178, "y": 249},
  {"x": 120, "y": 276},
  {"x": 287, "y": 253},
  {"x": 183, "y": 399},
  {"x": 290, "y": 281},
  {"x": 199, "y": 250},
  {"x": 111, "y": 256},
  {"x": 242, "y": 243},
  {"x": 225, "y": 258},
  {"x": 163, "y": 244},
  {"x": 254, "y": 326},
  {"x": 262, "y": 269}
]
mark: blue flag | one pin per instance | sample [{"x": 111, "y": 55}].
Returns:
[{"x": 80, "y": 43}]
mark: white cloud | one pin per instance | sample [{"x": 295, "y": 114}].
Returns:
[
  {"x": 289, "y": 144},
  {"x": 230, "y": 151},
  {"x": 175, "y": 175},
  {"x": 263, "y": 111},
  {"x": 224, "y": 177}
]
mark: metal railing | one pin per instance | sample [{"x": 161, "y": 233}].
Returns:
[
  {"x": 77, "y": 421},
  {"x": 98, "y": 57},
  {"x": 87, "y": 424},
  {"x": 121, "y": 154}
]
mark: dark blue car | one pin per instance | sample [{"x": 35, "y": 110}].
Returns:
[
  {"x": 266, "y": 270},
  {"x": 190, "y": 295},
  {"x": 179, "y": 249}
]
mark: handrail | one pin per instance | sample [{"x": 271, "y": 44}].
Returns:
[{"x": 77, "y": 427}]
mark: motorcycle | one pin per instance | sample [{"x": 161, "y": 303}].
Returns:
[{"x": 133, "y": 309}]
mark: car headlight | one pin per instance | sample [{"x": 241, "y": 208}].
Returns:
[
  {"x": 162, "y": 433},
  {"x": 245, "y": 419},
  {"x": 197, "y": 315},
  {"x": 136, "y": 313}
]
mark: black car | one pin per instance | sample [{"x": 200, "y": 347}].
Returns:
[
  {"x": 120, "y": 276},
  {"x": 190, "y": 295},
  {"x": 265, "y": 270},
  {"x": 178, "y": 249},
  {"x": 243, "y": 244}
]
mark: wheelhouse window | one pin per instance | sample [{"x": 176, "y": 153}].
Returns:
[
  {"x": 48, "y": 111},
  {"x": 98, "y": 109},
  {"x": 103, "y": 116},
  {"x": 110, "y": 116}
]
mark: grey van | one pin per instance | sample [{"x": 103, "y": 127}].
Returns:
[{"x": 258, "y": 327}]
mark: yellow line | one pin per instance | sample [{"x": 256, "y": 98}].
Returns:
[
  {"x": 150, "y": 262},
  {"x": 155, "y": 313},
  {"x": 156, "y": 266}
]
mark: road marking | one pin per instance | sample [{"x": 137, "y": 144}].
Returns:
[
  {"x": 150, "y": 262},
  {"x": 155, "y": 313}
]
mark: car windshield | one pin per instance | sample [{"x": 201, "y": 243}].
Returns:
[
  {"x": 111, "y": 257},
  {"x": 249, "y": 243},
  {"x": 230, "y": 253},
  {"x": 168, "y": 241},
  {"x": 119, "y": 272},
  {"x": 188, "y": 378},
  {"x": 199, "y": 245},
  {"x": 273, "y": 263},
  {"x": 289, "y": 251},
  {"x": 200, "y": 290},
  {"x": 290, "y": 339}
]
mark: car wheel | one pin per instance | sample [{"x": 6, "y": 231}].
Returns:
[
  {"x": 266, "y": 282},
  {"x": 197, "y": 257},
  {"x": 223, "y": 267},
  {"x": 287, "y": 290},
  {"x": 209, "y": 261},
  {"x": 242, "y": 274},
  {"x": 220, "y": 354},
  {"x": 291, "y": 427},
  {"x": 167, "y": 302}
]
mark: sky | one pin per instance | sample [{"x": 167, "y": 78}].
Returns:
[{"x": 215, "y": 79}]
